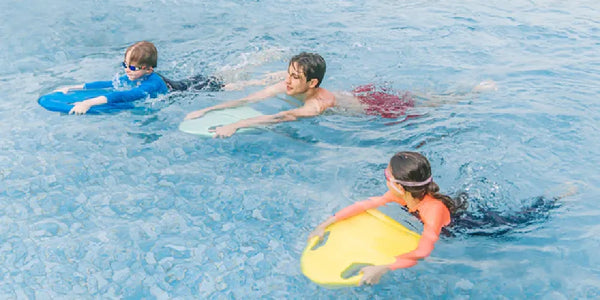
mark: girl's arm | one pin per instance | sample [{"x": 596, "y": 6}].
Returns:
[
  {"x": 434, "y": 218},
  {"x": 348, "y": 212},
  {"x": 426, "y": 244},
  {"x": 372, "y": 274},
  {"x": 360, "y": 207}
]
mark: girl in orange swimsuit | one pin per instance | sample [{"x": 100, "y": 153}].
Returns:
[{"x": 408, "y": 177}]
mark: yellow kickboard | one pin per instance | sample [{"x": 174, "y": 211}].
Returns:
[{"x": 370, "y": 238}]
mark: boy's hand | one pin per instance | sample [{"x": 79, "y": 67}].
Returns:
[
  {"x": 63, "y": 90},
  {"x": 224, "y": 131},
  {"x": 196, "y": 114},
  {"x": 68, "y": 88},
  {"x": 79, "y": 108}
]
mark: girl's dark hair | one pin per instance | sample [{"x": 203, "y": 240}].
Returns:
[
  {"x": 311, "y": 64},
  {"x": 414, "y": 167}
]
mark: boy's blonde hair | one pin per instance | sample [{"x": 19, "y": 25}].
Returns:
[{"x": 143, "y": 53}]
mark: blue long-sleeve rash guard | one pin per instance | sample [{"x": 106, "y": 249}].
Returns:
[{"x": 150, "y": 85}]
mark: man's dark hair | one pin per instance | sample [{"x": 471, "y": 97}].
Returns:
[{"x": 311, "y": 64}]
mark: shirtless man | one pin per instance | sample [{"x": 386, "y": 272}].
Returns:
[{"x": 305, "y": 74}]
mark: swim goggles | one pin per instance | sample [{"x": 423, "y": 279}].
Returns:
[
  {"x": 389, "y": 177},
  {"x": 132, "y": 68}
]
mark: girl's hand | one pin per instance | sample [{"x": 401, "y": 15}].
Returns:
[
  {"x": 319, "y": 231},
  {"x": 372, "y": 274}
]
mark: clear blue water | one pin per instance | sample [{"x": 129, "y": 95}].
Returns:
[{"x": 126, "y": 206}]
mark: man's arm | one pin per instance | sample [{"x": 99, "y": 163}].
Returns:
[
  {"x": 267, "y": 92},
  {"x": 308, "y": 110}
]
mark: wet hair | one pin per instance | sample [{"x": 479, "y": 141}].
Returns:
[
  {"x": 311, "y": 64},
  {"x": 414, "y": 167},
  {"x": 143, "y": 53}
]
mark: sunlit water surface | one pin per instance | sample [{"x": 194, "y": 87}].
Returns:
[{"x": 127, "y": 206}]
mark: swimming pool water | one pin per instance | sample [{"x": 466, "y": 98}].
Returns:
[{"x": 126, "y": 206}]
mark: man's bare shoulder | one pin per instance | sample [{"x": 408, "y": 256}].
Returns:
[{"x": 325, "y": 98}]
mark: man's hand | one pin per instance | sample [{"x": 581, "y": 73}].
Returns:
[
  {"x": 196, "y": 114},
  {"x": 224, "y": 131}
]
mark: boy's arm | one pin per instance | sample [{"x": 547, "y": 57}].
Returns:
[
  {"x": 80, "y": 108},
  {"x": 85, "y": 86},
  {"x": 97, "y": 85},
  {"x": 134, "y": 94},
  {"x": 145, "y": 89},
  {"x": 89, "y": 85},
  {"x": 152, "y": 86},
  {"x": 308, "y": 110},
  {"x": 127, "y": 96},
  {"x": 66, "y": 89},
  {"x": 267, "y": 92}
]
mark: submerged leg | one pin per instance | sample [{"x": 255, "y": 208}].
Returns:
[
  {"x": 267, "y": 79},
  {"x": 434, "y": 100},
  {"x": 486, "y": 222}
]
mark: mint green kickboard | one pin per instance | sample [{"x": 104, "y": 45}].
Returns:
[{"x": 200, "y": 126}]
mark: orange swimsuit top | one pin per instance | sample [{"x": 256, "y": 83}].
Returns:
[{"x": 432, "y": 212}]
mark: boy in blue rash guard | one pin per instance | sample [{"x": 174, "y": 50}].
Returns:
[
  {"x": 140, "y": 61},
  {"x": 140, "y": 81}
]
